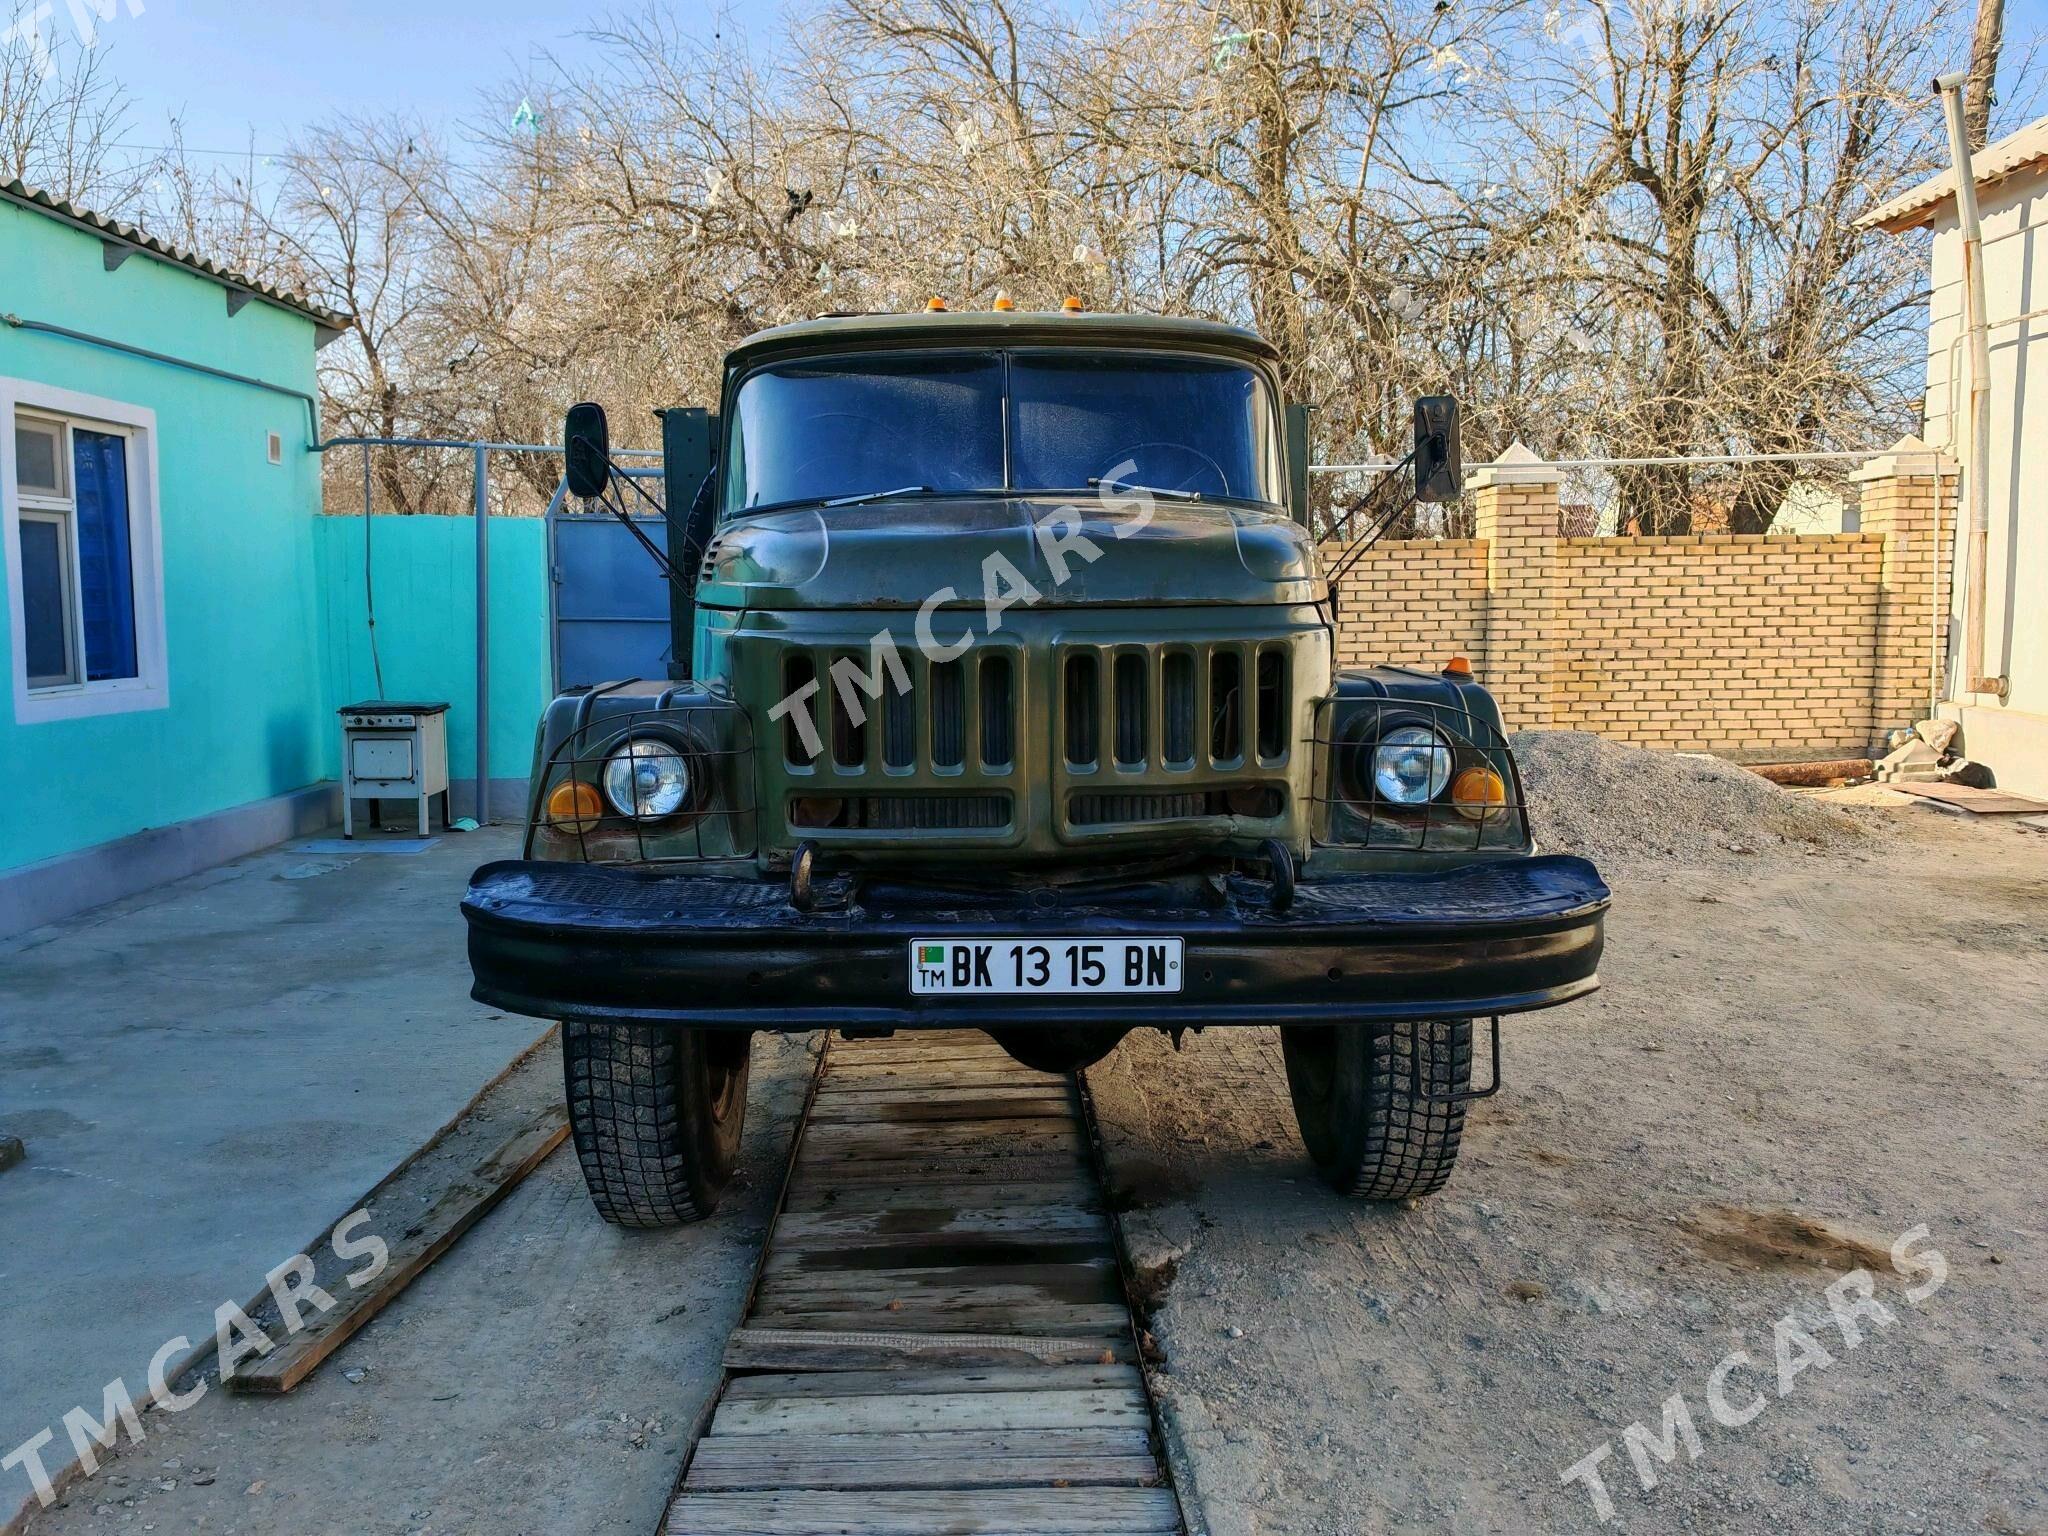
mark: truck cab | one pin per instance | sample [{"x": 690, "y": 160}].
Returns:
[{"x": 1006, "y": 698}]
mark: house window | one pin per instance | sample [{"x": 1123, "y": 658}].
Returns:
[
  {"x": 77, "y": 568},
  {"x": 82, "y": 537}
]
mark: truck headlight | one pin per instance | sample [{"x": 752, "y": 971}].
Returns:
[
  {"x": 647, "y": 779},
  {"x": 1410, "y": 765}
]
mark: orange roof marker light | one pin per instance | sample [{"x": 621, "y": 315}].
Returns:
[
  {"x": 1003, "y": 301},
  {"x": 1071, "y": 304},
  {"x": 1458, "y": 666},
  {"x": 936, "y": 305}
]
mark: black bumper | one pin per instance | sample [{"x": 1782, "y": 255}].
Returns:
[{"x": 579, "y": 941}]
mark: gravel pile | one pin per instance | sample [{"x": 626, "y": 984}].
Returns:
[{"x": 1620, "y": 804}]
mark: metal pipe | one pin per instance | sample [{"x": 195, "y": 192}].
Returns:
[
  {"x": 44, "y": 328},
  {"x": 450, "y": 442},
  {"x": 1976, "y": 469},
  {"x": 1848, "y": 456},
  {"x": 483, "y": 636}
]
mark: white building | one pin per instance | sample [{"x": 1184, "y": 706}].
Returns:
[{"x": 2010, "y": 733}]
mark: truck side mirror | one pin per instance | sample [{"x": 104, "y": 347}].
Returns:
[
  {"x": 1297, "y": 462},
  {"x": 1439, "y": 472},
  {"x": 586, "y": 451}
]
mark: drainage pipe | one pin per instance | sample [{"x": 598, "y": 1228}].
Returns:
[
  {"x": 1977, "y": 468},
  {"x": 483, "y": 635}
]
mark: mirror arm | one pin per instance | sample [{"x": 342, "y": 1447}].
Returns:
[
  {"x": 661, "y": 561},
  {"x": 1377, "y": 523}
]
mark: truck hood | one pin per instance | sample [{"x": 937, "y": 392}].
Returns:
[{"x": 899, "y": 554}]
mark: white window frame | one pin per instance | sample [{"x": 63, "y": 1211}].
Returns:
[{"x": 136, "y": 425}]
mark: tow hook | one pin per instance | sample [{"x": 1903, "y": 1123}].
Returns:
[
  {"x": 801, "y": 868},
  {"x": 1280, "y": 861}
]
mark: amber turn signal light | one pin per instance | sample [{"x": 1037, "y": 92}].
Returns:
[
  {"x": 574, "y": 806},
  {"x": 1478, "y": 793}
]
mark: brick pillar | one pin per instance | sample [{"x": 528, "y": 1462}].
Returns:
[
  {"x": 1516, "y": 513},
  {"x": 1909, "y": 497}
]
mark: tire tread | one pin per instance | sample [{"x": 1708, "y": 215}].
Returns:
[{"x": 625, "y": 1116}]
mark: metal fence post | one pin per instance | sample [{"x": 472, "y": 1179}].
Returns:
[{"x": 483, "y": 637}]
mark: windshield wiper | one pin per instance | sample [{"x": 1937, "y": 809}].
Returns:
[
  {"x": 1096, "y": 482},
  {"x": 854, "y": 501}
]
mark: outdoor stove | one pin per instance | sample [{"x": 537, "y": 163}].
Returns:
[{"x": 393, "y": 751}]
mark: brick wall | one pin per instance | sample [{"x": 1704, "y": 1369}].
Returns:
[
  {"x": 1413, "y": 602},
  {"x": 1721, "y": 642}
]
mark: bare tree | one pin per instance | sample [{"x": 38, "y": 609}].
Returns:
[
  {"x": 62, "y": 116},
  {"x": 1610, "y": 232},
  {"x": 1986, "y": 38},
  {"x": 1703, "y": 166}
]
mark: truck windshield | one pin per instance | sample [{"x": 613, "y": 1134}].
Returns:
[{"x": 830, "y": 429}]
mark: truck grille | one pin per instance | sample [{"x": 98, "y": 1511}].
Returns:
[
  {"x": 1068, "y": 729},
  {"x": 954, "y": 717},
  {"x": 1175, "y": 708}
]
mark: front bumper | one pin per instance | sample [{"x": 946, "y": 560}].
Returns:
[{"x": 584, "y": 941}]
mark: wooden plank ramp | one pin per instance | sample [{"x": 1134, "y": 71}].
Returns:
[{"x": 938, "y": 1340}]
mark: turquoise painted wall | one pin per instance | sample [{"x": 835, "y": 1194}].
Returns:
[
  {"x": 424, "y": 577},
  {"x": 247, "y": 716}
]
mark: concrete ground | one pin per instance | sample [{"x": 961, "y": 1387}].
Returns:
[
  {"x": 542, "y": 1377},
  {"x": 203, "y": 1077}
]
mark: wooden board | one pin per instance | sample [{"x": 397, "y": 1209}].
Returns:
[
  {"x": 938, "y": 1340},
  {"x": 1019, "y": 1195},
  {"x": 895, "y": 1414},
  {"x": 826, "y": 1350},
  {"x": 1044, "y": 1511},
  {"x": 1980, "y": 802},
  {"x": 844, "y": 1472},
  {"x": 458, "y": 1209},
  {"x": 927, "y": 1445},
  {"x": 999, "y": 1378}
]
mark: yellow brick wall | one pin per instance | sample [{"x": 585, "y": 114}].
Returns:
[
  {"x": 1712, "y": 643},
  {"x": 1412, "y": 602},
  {"x": 1721, "y": 641}
]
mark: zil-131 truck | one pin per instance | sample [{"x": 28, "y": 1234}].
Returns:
[{"x": 1004, "y": 697}]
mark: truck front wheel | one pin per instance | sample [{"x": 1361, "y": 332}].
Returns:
[
  {"x": 656, "y": 1113},
  {"x": 1371, "y": 1133}
]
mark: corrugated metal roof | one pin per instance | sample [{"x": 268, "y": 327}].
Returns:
[
  {"x": 1919, "y": 205},
  {"x": 119, "y": 233}
]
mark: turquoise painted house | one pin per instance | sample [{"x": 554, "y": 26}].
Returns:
[{"x": 165, "y": 696}]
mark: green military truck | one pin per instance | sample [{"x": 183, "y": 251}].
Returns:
[{"x": 1005, "y": 698}]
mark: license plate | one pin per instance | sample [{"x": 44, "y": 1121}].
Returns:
[{"x": 1052, "y": 966}]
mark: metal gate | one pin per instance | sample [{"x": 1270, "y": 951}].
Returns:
[{"x": 608, "y": 605}]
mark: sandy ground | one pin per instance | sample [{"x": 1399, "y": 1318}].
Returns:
[
  {"x": 542, "y": 1377},
  {"x": 1857, "y": 1036}
]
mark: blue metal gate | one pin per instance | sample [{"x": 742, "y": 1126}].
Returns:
[{"x": 609, "y": 605}]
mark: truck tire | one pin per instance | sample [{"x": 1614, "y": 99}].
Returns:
[
  {"x": 1371, "y": 1135},
  {"x": 1061, "y": 1048},
  {"x": 656, "y": 1113}
]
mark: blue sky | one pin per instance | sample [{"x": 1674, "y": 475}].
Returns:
[{"x": 232, "y": 69}]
